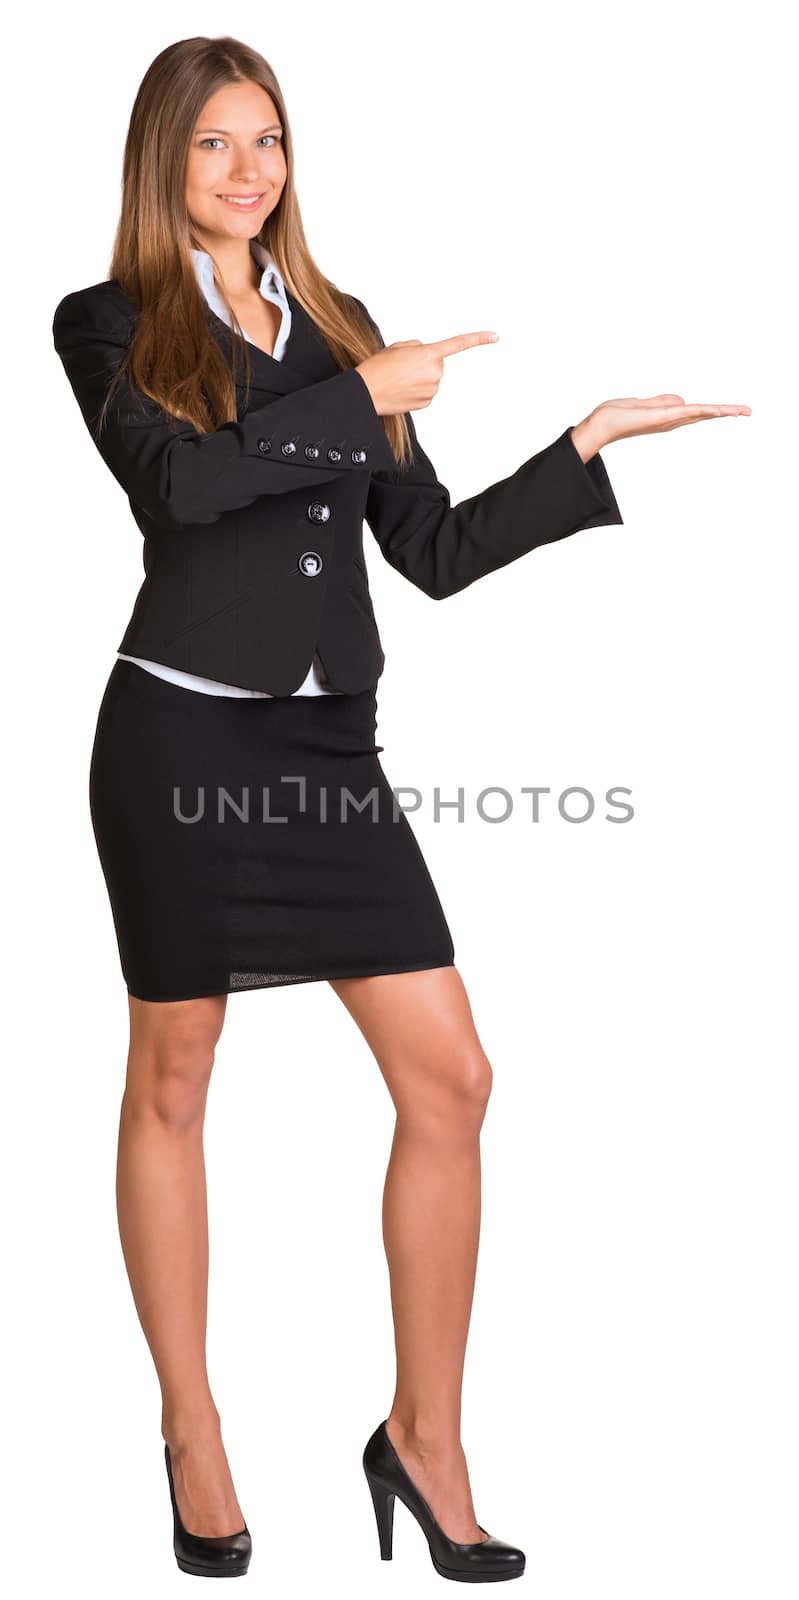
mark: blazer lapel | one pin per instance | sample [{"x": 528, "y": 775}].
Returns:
[{"x": 306, "y": 358}]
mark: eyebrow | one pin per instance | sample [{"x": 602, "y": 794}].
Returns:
[{"x": 270, "y": 129}]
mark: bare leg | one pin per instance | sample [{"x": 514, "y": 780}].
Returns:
[
  {"x": 420, "y": 1029},
  {"x": 163, "y": 1226}
]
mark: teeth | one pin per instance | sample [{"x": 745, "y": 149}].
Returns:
[{"x": 239, "y": 200}]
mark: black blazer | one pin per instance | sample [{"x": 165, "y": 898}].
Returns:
[{"x": 253, "y": 552}]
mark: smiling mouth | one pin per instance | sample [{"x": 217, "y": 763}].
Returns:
[{"x": 244, "y": 201}]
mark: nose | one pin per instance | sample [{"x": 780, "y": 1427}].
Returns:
[
  {"x": 244, "y": 175},
  {"x": 244, "y": 167}
]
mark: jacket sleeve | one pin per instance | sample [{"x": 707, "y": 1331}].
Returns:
[
  {"x": 443, "y": 548},
  {"x": 181, "y": 476}
]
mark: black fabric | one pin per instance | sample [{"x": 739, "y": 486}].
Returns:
[
  {"x": 228, "y": 516},
  {"x": 213, "y": 906}
]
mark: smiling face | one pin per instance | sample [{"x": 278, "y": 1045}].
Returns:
[{"x": 236, "y": 167}]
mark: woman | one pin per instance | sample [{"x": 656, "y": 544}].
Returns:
[{"x": 250, "y": 664}]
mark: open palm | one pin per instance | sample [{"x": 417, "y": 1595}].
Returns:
[{"x": 623, "y": 419}]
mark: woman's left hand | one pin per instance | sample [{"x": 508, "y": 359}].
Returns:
[{"x": 622, "y": 419}]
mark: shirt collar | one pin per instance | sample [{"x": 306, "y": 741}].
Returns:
[{"x": 204, "y": 269}]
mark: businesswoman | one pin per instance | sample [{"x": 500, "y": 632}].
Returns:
[{"x": 255, "y": 419}]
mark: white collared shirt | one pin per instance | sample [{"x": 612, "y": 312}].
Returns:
[{"x": 272, "y": 288}]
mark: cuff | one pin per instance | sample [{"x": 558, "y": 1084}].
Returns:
[
  {"x": 332, "y": 423},
  {"x": 595, "y": 484}
]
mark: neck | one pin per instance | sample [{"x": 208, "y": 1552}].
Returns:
[{"x": 233, "y": 261}]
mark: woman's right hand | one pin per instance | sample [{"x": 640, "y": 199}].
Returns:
[{"x": 405, "y": 375}]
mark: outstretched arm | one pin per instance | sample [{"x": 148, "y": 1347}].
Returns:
[{"x": 443, "y": 548}]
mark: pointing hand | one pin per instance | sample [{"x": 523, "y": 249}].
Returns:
[{"x": 405, "y": 375}]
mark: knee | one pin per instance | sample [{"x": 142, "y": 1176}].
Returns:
[
  {"x": 168, "y": 1078},
  {"x": 462, "y": 1083}
]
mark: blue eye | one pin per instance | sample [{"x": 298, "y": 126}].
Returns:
[{"x": 213, "y": 140}]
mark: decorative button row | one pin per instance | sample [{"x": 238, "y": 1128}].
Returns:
[{"x": 289, "y": 448}]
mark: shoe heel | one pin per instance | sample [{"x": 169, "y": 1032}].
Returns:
[
  {"x": 383, "y": 1502},
  {"x": 486, "y": 1560},
  {"x": 226, "y": 1555}
]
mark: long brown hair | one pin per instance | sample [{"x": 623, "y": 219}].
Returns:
[{"x": 173, "y": 358}]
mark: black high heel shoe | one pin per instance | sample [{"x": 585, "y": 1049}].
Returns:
[
  {"x": 489, "y": 1561},
  {"x": 227, "y": 1555}
]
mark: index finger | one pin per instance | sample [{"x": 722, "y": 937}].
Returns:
[{"x": 461, "y": 341}]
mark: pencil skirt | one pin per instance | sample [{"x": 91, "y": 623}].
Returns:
[{"x": 247, "y": 843}]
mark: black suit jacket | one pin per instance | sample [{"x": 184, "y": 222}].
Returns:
[{"x": 253, "y": 552}]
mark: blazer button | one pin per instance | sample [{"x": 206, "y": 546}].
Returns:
[
  {"x": 334, "y": 455},
  {"x": 289, "y": 448},
  {"x": 310, "y": 563},
  {"x": 312, "y": 451},
  {"x": 264, "y": 445},
  {"x": 358, "y": 456},
  {"x": 318, "y": 511}
]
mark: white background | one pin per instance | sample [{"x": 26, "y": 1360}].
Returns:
[{"x": 611, "y": 189}]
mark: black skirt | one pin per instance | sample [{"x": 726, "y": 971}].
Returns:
[{"x": 253, "y": 842}]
